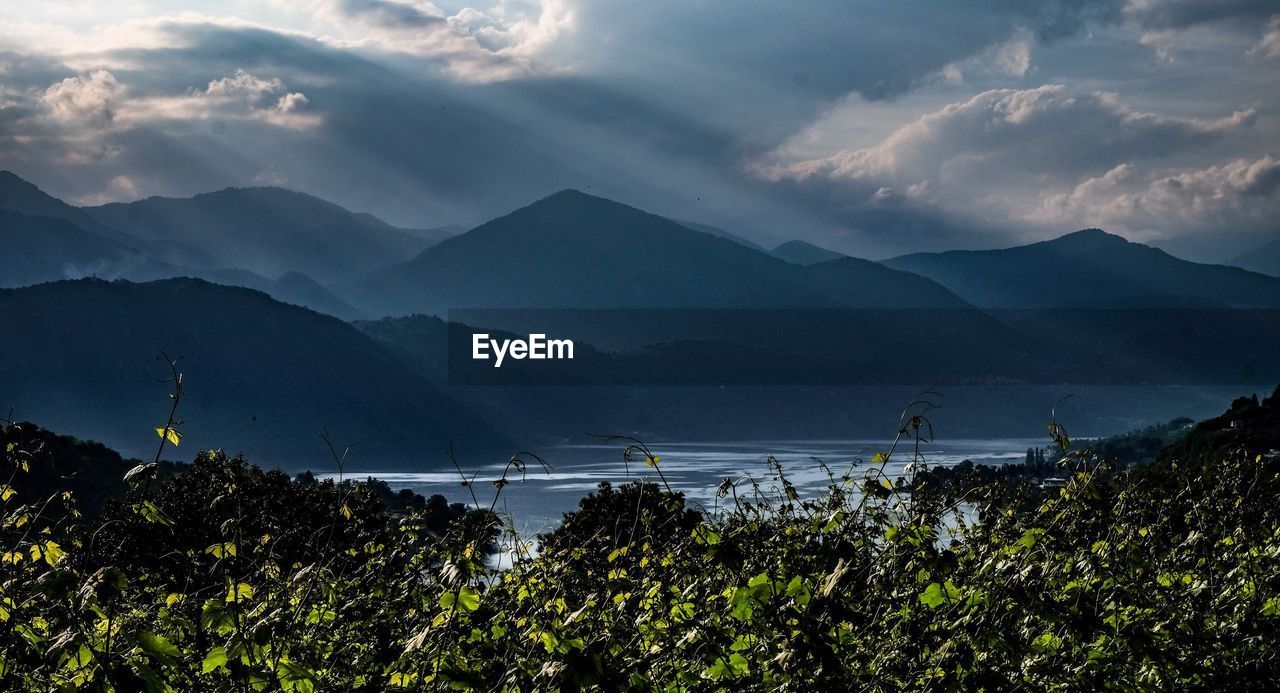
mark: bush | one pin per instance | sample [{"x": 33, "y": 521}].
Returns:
[{"x": 226, "y": 577}]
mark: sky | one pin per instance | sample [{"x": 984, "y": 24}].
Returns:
[{"x": 869, "y": 127}]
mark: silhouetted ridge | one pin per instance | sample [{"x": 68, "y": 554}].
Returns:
[
  {"x": 20, "y": 195},
  {"x": 260, "y": 375},
  {"x": 268, "y": 231},
  {"x": 575, "y": 250},
  {"x": 1089, "y": 269},
  {"x": 804, "y": 253}
]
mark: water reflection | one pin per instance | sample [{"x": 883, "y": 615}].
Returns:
[{"x": 538, "y": 503}]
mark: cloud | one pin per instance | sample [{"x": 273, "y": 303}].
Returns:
[
  {"x": 1181, "y": 14},
  {"x": 473, "y": 44},
  {"x": 1242, "y": 194},
  {"x": 84, "y": 98},
  {"x": 1048, "y": 130},
  {"x": 1169, "y": 26},
  {"x": 1020, "y": 155},
  {"x": 1269, "y": 45},
  {"x": 867, "y": 126},
  {"x": 101, "y": 100},
  {"x": 1011, "y": 58},
  {"x": 243, "y": 84}
]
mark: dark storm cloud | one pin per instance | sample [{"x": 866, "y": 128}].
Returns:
[
  {"x": 1180, "y": 14},
  {"x": 823, "y": 49}
]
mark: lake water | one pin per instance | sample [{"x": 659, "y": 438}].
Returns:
[{"x": 538, "y": 502}]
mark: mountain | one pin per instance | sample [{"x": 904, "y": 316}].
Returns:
[
  {"x": 802, "y": 253},
  {"x": 1264, "y": 259},
  {"x": 46, "y": 249},
  {"x": 573, "y": 250},
  {"x": 291, "y": 287},
  {"x": 41, "y": 248},
  {"x": 431, "y": 235},
  {"x": 721, "y": 233},
  {"x": 1089, "y": 269},
  {"x": 267, "y": 231},
  {"x": 259, "y": 376},
  {"x": 1217, "y": 248},
  {"x": 48, "y": 240},
  {"x": 19, "y": 195}
]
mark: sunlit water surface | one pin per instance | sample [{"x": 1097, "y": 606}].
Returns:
[{"x": 537, "y": 501}]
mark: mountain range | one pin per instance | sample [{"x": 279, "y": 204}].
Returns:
[
  {"x": 261, "y": 375},
  {"x": 804, "y": 253},
  {"x": 656, "y": 302},
  {"x": 284, "y": 243},
  {"x": 1089, "y": 269},
  {"x": 1264, "y": 258},
  {"x": 268, "y": 231},
  {"x": 580, "y": 251}
]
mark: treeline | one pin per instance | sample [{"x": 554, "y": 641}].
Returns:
[{"x": 227, "y": 577}]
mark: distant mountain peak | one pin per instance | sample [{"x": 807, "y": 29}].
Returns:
[
  {"x": 799, "y": 252},
  {"x": 9, "y": 177},
  {"x": 11, "y": 183},
  {"x": 574, "y": 197},
  {"x": 570, "y": 193},
  {"x": 1091, "y": 236},
  {"x": 584, "y": 212},
  {"x": 1089, "y": 269}
]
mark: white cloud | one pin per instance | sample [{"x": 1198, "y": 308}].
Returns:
[
  {"x": 1011, "y": 58},
  {"x": 99, "y": 100},
  {"x": 1269, "y": 45},
  {"x": 1243, "y": 194},
  {"x": 119, "y": 187},
  {"x": 1043, "y": 156},
  {"x": 243, "y": 84},
  {"x": 478, "y": 45},
  {"x": 1045, "y": 130},
  {"x": 292, "y": 102},
  {"x": 271, "y": 176},
  {"x": 89, "y": 98}
]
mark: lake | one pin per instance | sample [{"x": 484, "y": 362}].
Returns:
[{"x": 538, "y": 502}]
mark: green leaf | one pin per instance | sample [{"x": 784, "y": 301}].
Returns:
[
  {"x": 170, "y": 434},
  {"x": 53, "y": 553},
  {"x": 239, "y": 591},
  {"x": 797, "y": 590},
  {"x": 221, "y": 550},
  {"x": 295, "y": 677},
  {"x": 935, "y": 595},
  {"x": 1047, "y": 642},
  {"x": 216, "y": 659},
  {"x": 151, "y": 513},
  {"x": 151, "y": 680},
  {"x": 465, "y": 599},
  {"x": 705, "y": 535},
  {"x": 158, "y": 647}
]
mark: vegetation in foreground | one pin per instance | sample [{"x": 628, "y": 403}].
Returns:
[{"x": 225, "y": 577}]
